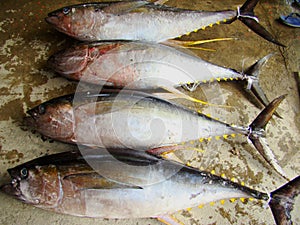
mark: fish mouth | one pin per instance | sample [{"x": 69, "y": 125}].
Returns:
[
  {"x": 29, "y": 121},
  {"x": 52, "y": 19},
  {"x": 12, "y": 189}
]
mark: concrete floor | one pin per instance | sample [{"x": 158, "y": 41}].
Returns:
[{"x": 26, "y": 42}]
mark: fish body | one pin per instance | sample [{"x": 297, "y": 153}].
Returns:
[
  {"x": 66, "y": 183},
  {"x": 136, "y": 65},
  {"x": 124, "y": 119},
  {"x": 144, "y": 21},
  {"x": 135, "y": 120},
  {"x": 136, "y": 20}
]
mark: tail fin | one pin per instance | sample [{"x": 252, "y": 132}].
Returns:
[
  {"x": 256, "y": 128},
  {"x": 253, "y": 85},
  {"x": 246, "y": 15},
  {"x": 282, "y": 201}
]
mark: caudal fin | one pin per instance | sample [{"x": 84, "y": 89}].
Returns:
[
  {"x": 256, "y": 134},
  {"x": 246, "y": 15},
  {"x": 252, "y": 78},
  {"x": 282, "y": 201}
]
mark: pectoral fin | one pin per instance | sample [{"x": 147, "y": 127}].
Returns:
[{"x": 93, "y": 180}]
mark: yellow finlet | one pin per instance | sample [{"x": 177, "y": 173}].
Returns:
[
  {"x": 200, "y": 206},
  {"x": 218, "y": 79},
  {"x": 211, "y": 25},
  {"x": 212, "y": 203},
  {"x": 232, "y": 200},
  {"x": 201, "y": 139},
  {"x": 223, "y": 175},
  {"x": 222, "y": 202},
  {"x": 209, "y": 139},
  {"x": 233, "y": 135},
  {"x": 225, "y": 136},
  {"x": 218, "y": 23},
  {"x": 233, "y": 179},
  {"x": 243, "y": 183},
  {"x": 213, "y": 172},
  {"x": 217, "y": 138},
  {"x": 243, "y": 200},
  {"x": 188, "y": 209}
]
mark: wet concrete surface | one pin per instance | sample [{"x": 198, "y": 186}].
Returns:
[{"x": 27, "y": 41}]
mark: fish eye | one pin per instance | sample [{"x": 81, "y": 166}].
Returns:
[
  {"x": 23, "y": 173},
  {"x": 41, "y": 109},
  {"x": 66, "y": 10}
]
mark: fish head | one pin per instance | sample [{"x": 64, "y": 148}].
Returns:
[
  {"x": 76, "y": 21},
  {"x": 37, "y": 185},
  {"x": 53, "y": 119},
  {"x": 70, "y": 62}
]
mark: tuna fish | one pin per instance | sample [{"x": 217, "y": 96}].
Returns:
[
  {"x": 66, "y": 183},
  {"x": 144, "y": 21},
  {"x": 131, "y": 119},
  {"x": 138, "y": 65}
]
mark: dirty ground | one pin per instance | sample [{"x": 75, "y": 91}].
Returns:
[{"x": 26, "y": 41}]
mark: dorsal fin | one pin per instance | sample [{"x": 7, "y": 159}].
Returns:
[{"x": 124, "y": 7}]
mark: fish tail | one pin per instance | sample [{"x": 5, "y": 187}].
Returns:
[
  {"x": 256, "y": 134},
  {"x": 247, "y": 16},
  {"x": 282, "y": 201},
  {"x": 252, "y": 78}
]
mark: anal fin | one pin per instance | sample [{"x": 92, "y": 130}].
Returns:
[{"x": 169, "y": 220}]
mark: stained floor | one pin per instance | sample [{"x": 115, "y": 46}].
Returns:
[{"x": 26, "y": 42}]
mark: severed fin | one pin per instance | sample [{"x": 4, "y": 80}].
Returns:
[
  {"x": 282, "y": 201},
  {"x": 258, "y": 125},
  {"x": 173, "y": 93},
  {"x": 124, "y": 7},
  {"x": 246, "y": 15},
  {"x": 169, "y": 220}
]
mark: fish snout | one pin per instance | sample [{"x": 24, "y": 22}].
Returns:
[
  {"x": 69, "y": 62},
  {"x": 11, "y": 189},
  {"x": 52, "y": 19}
]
